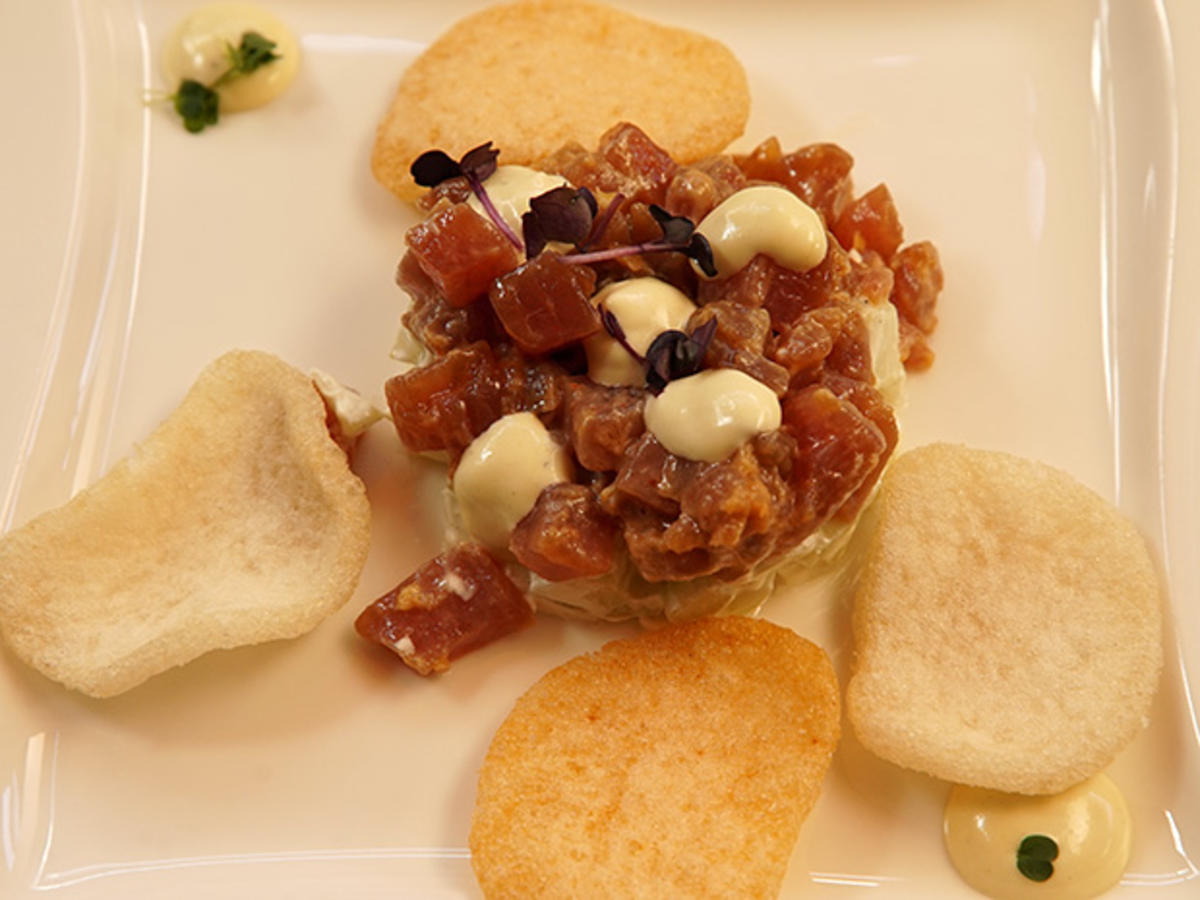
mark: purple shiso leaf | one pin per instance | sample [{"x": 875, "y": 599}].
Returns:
[
  {"x": 675, "y": 229},
  {"x": 433, "y": 167},
  {"x": 611, "y": 324},
  {"x": 562, "y": 214},
  {"x": 493, "y": 213},
  {"x": 703, "y": 336},
  {"x": 699, "y": 251},
  {"x": 674, "y": 355},
  {"x": 479, "y": 162},
  {"x": 679, "y": 235},
  {"x": 535, "y": 238},
  {"x": 598, "y": 225}
]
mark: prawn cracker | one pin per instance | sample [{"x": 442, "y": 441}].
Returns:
[
  {"x": 1007, "y": 624},
  {"x": 237, "y": 521},
  {"x": 532, "y": 76},
  {"x": 678, "y": 763}
]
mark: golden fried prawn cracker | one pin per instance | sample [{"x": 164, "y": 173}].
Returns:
[
  {"x": 679, "y": 763},
  {"x": 531, "y": 76}
]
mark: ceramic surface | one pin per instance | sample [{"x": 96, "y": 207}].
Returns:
[{"x": 1039, "y": 145}]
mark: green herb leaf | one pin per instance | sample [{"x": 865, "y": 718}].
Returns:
[
  {"x": 196, "y": 104},
  {"x": 1036, "y": 855},
  {"x": 252, "y": 53}
]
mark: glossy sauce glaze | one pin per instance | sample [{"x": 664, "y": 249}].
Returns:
[
  {"x": 998, "y": 841},
  {"x": 198, "y": 49}
]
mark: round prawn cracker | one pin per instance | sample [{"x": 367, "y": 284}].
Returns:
[
  {"x": 678, "y": 763},
  {"x": 237, "y": 521},
  {"x": 1007, "y": 624},
  {"x": 531, "y": 76}
]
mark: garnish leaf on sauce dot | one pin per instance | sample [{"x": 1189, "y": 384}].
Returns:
[
  {"x": 675, "y": 229},
  {"x": 699, "y": 251},
  {"x": 252, "y": 53},
  {"x": 197, "y": 104},
  {"x": 1036, "y": 855},
  {"x": 613, "y": 326},
  {"x": 676, "y": 354}
]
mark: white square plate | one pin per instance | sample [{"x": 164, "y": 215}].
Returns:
[{"x": 1037, "y": 144}]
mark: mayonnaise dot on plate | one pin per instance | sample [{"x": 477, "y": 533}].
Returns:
[
  {"x": 1068, "y": 846},
  {"x": 198, "y": 49}
]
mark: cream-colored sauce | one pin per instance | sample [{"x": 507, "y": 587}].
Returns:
[
  {"x": 708, "y": 415},
  {"x": 1089, "y": 822},
  {"x": 355, "y": 414},
  {"x": 764, "y": 219},
  {"x": 645, "y": 308},
  {"x": 407, "y": 350},
  {"x": 510, "y": 189},
  {"x": 501, "y": 474},
  {"x": 197, "y": 49},
  {"x": 883, "y": 329}
]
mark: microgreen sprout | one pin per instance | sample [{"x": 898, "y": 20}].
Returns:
[
  {"x": 196, "y": 104},
  {"x": 672, "y": 355},
  {"x": 613, "y": 326},
  {"x": 433, "y": 167},
  {"x": 1036, "y": 855},
  {"x": 601, "y": 223},
  {"x": 252, "y": 53},
  {"x": 561, "y": 214},
  {"x": 567, "y": 215},
  {"x": 199, "y": 104},
  {"x": 679, "y": 235},
  {"x": 676, "y": 354}
]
